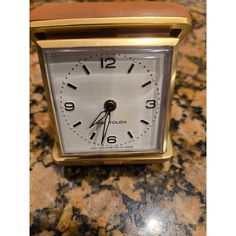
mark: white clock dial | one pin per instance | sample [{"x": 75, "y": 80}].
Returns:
[{"x": 107, "y": 101}]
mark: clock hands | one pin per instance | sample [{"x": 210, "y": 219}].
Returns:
[
  {"x": 109, "y": 106},
  {"x": 106, "y": 125},
  {"x": 100, "y": 116}
]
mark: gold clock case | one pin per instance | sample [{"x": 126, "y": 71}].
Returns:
[{"x": 169, "y": 32}]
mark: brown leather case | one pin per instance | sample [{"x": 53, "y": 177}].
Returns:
[{"x": 53, "y": 11}]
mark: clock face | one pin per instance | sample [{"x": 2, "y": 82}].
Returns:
[{"x": 109, "y": 100}]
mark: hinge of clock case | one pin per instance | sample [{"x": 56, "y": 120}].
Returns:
[{"x": 74, "y": 33}]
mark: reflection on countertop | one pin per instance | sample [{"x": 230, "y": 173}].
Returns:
[{"x": 156, "y": 199}]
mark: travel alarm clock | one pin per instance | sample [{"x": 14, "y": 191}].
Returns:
[{"x": 109, "y": 71}]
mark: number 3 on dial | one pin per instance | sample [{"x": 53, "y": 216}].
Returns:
[{"x": 151, "y": 104}]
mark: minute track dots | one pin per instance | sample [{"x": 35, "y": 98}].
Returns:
[{"x": 127, "y": 137}]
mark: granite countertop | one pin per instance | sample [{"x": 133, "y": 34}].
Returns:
[{"x": 156, "y": 199}]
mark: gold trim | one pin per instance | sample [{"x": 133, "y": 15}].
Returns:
[
  {"x": 49, "y": 98},
  {"x": 104, "y": 42},
  {"x": 107, "y": 42},
  {"x": 113, "y": 160},
  {"x": 182, "y": 23},
  {"x": 112, "y": 21},
  {"x": 171, "y": 93}
]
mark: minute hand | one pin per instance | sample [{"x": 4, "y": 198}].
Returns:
[{"x": 106, "y": 125}]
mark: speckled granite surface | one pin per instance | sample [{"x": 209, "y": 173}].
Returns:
[{"x": 161, "y": 199}]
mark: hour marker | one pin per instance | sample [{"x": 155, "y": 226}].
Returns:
[
  {"x": 144, "y": 121},
  {"x": 76, "y": 124},
  {"x": 147, "y": 83},
  {"x": 86, "y": 69},
  {"x": 71, "y": 86},
  {"x": 129, "y": 133},
  {"x": 92, "y": 136},
  {"x": 131, "y": 68}
]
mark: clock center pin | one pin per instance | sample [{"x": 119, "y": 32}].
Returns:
[{"x": 110, "y": 105}]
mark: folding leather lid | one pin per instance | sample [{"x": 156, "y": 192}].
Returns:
[{"x": 53, "y": 11}]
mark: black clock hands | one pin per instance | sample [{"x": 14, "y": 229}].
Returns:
[
  {"x": 100, "y": 116},
  {"x": 106, "y": 125},
  {"x": 109, "y": 106}
]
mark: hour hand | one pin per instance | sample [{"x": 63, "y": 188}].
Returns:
[
  {"x": 100, "y": 116},
  {"x": 109, "y": 106}
]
